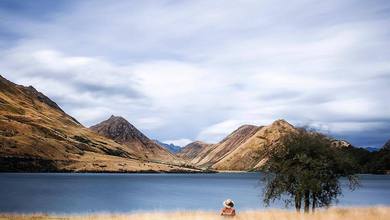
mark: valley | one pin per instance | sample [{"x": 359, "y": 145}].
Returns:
[{"x": 36, "y": 135}]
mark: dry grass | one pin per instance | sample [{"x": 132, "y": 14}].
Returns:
[{"x": 373, "y": 213}]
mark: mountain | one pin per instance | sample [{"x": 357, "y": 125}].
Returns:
[
  {"x": 122, "y": 132},
  {"x": 243, "y": 149},
  {"x": 249, "y": 154},
  {"x": 170, "y": 147},
  {"x": 217, "y": 152},
  {"x": 372, "y": 149},
  {"x": 37, "y": 135},
  {"x": 192, "y": 150}
]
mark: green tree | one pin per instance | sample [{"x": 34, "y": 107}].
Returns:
[{"x": 305, "y": 169}]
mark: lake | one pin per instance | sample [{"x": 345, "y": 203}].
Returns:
[{"x": 85, "y": 193}]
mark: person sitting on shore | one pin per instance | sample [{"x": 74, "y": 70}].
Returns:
[{"x": 228, "y": 209}]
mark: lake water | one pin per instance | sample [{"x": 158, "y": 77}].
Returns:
[{"x": 82, "y": 193}]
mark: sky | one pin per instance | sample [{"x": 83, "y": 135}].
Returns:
[{"x": 196, "y": 70}]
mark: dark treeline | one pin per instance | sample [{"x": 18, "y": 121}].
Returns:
[{"x": 377, "y": 162}]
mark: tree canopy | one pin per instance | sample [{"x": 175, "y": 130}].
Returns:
[{"x": 306, "y": 170}]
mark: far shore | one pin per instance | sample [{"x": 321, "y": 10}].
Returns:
[
  {"x": 355, "y": 213},
  {"x": 235, "y": 171},
  {"x": 155, "y": 172}
]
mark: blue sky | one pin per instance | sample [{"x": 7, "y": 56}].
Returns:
[{"x": 196, "y": 70}]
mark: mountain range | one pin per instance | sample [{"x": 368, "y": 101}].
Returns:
[
  {"x": 37, "y": 135},
  {"x": 170, "y": 147},
  {"x": 243, "y": 149},
  {"x": 246, "y": 148}
]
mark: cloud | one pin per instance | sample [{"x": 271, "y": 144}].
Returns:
[
  {"x": 217, "y": 132},
  {"x": 179, "y": 142},
  {"x": 177, "y": 75},
  {"x": 77, "y": 83}
]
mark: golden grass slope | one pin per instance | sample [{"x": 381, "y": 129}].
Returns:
[
  {"x": 37, "y": 135},
  {"x": 373, "y": 213},
  {"x": 242, "y": 150},
  {"x": 121, "y": 131},
  {"x": 250, "y": 154},
  {"x": 218, "y": 151},
  {"x": 192, "y": 150}
]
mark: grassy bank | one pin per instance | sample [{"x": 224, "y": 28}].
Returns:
[{"x": 373, "y": 213}]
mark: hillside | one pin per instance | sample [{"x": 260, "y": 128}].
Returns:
[
  {"x": 192, "y": 150},
  {"x": 37, "y": 135},
  {"x": 122, "y": 132},
  {"x": 250, "y": 154},
  {"x": 379, "y": 161},
  {"x": 217, "y": 152},
  {"x": 243, "y": 149}
]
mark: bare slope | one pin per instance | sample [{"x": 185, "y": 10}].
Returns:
[
  {"x": 250, "y": 154},
  {"x": 218, "y": 151},
  {"x": 243, "y": 149},
  {"x": 121, "y": 131},
  {"x": 192, "y": 150},
  {"x": 37, "y": 135}
]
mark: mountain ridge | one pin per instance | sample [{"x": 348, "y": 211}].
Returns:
[
  {"x": 37, "y": 135},
  {"x": 191, "y": 150},
  {"x": 170, "y": 147},
  {"x": 123, "y": 132}
]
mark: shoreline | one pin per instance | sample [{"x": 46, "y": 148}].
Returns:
[
  {"x": 155, "y": 172},
  {"x": 335, "y": 213},
  {"x": 120, "y": 172}
]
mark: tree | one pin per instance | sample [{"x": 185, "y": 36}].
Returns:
[{"x": 305, "y": 169}]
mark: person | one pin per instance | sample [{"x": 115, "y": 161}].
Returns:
[{"x": 228, "y": 209}]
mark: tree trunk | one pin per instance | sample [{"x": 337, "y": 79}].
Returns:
[
  {"x": 298, "y": 201},
  {"x": 307, "y": 201},
  {"x": 313, "y": 204}
]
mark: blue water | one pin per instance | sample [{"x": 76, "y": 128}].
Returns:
[{"x": 82, "y": 193}]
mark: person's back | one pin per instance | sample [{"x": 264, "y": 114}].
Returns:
[
  {"x": 228, "y": 212},
  {"x": 228, "y": 209}
]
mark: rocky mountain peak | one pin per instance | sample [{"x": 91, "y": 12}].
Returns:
[
  {"x": 119, "y": 129},
  {"x": 113, "y": 117},
  {"x": 281, "y": 123}
]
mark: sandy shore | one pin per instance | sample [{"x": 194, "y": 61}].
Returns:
[{"x": 372, "y": 213}]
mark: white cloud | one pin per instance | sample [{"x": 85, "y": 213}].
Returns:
[
  {"x": 179, "y": 142},
  {"x": 177, "y": 75},
  {"x": 217, "y": 132}
]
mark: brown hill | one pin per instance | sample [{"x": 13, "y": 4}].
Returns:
[
  {"x": 122, "y": 132},
  {"x": 192, "y": 150},
  {"x": 243, "y": 149},
  {"x": 251, "y": 153},
  {"x": 37, "y": 135},
  {"x": 218, "y": 151}
]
